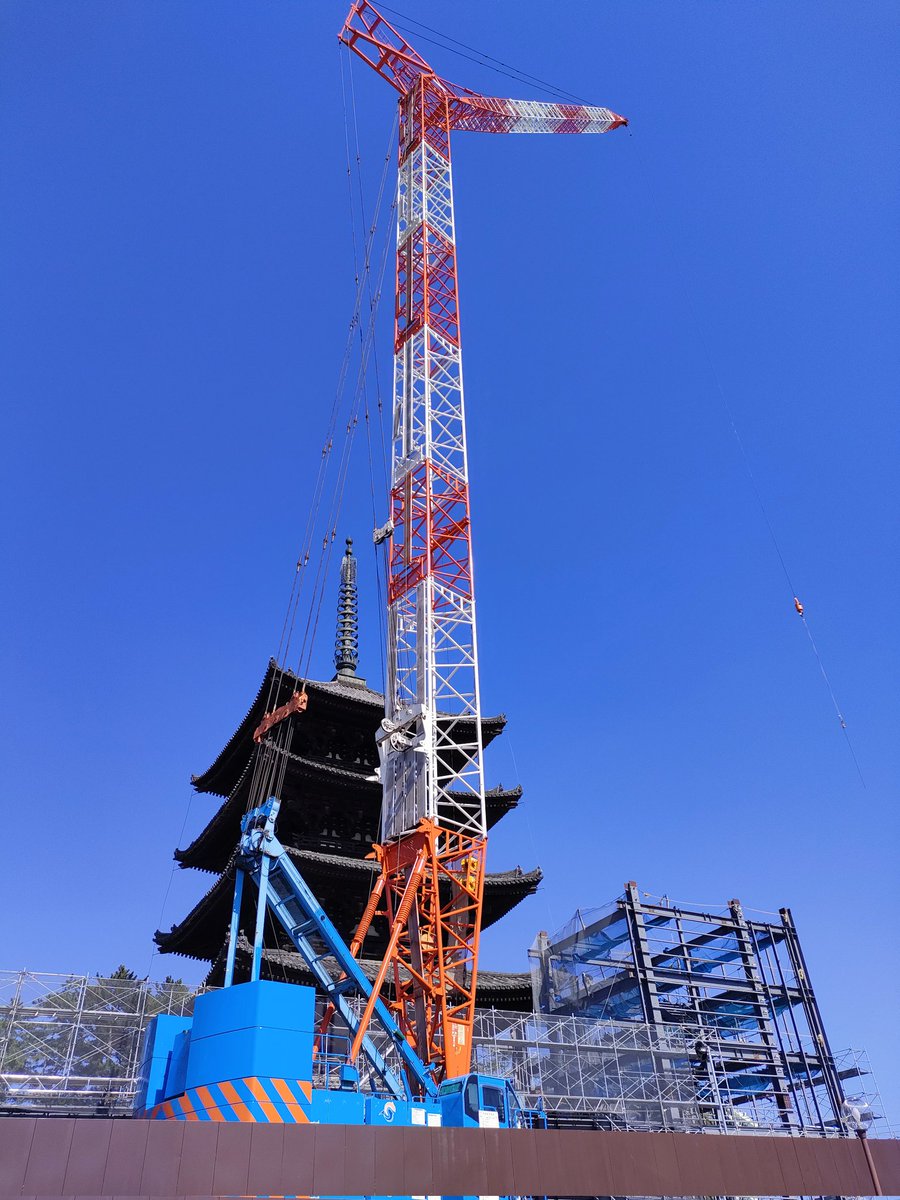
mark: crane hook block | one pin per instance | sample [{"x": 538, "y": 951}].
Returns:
[
  {"x": 798, "y": 606},
  {"x": 296, "y": 704}
]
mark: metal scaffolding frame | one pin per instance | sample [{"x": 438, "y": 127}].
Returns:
[
  {"x": 731, "y": 991},
  {"x": 72, "y": 1043},
  {"x": 638, "y": 1076}
]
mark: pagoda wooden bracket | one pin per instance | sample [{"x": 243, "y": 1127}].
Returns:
[{"x": 296, "y": 704}]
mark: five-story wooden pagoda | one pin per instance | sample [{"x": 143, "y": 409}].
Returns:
[{"x": 330, "y": 808}]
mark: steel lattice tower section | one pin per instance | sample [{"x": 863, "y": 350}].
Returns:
[
  {"x": 433, "y": 660},
  {"x": 434, "y": 831}
]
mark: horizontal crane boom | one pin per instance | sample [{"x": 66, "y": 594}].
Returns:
[{"x": 375, "y": 40}]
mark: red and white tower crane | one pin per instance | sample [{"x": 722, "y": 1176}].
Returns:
[{"x": 434, "y": 831}]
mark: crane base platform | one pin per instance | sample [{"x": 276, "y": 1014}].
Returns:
[{"x": 247, "y": 1055}]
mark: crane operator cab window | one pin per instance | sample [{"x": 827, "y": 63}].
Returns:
[
  {"x": 493, "y": 1101},
  {"x": 471, "y": 1102},
  {"x": 485, "y": 1103},
  {"x": 475, "y": 1100}
]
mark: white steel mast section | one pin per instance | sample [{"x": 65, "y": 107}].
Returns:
[{"x": 431, "y": 738}]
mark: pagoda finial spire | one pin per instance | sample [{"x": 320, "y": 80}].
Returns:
[{"x": 346, "y": 641}]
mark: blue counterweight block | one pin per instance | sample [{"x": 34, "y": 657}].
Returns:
[
  {"x": 177, "y": 1069},
  {"x": 252, "y": 1030},
  {"x": 161, "y": 1037}
]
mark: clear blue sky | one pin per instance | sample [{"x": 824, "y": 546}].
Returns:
[{"x": 176, "y": 285}]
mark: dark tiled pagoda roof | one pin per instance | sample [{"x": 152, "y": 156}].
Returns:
[
  {"x": 338, "y": 727},
  {"x": 495, "y": 989},
  {"x": 345, "y": 881},
  {"x": 330, "y": 809},
  {"x": 323, "y": 807}
]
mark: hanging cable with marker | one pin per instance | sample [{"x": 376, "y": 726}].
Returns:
[{"x": 799, "y": 607}]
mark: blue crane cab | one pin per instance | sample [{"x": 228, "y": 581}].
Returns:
[{"x": 485, "y": 1102}]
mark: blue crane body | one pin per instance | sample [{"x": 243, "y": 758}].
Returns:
[{"x": 252, "y": 1051}]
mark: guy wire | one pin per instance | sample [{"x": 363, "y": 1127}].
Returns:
[{"x": 799, "y": 608}]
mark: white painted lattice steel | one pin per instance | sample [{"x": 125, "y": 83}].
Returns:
[
  {"x": 540, "y": 116},
  {"x": 431, "y": 742}
]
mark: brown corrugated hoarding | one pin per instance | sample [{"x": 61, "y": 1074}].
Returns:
[{"x": 52, "y": 1157}]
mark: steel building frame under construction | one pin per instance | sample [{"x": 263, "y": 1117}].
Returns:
[{"x": 735, "y": 1021}]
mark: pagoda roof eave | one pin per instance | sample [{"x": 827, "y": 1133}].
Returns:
[
  {"x": 212, "y": 847},
  {"x": 494, "y": 989},
  {"x": 191, "y": 937},
  {"x": 335, "y": 696}
]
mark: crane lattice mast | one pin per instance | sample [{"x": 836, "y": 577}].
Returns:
[{"x": 434, "y": 832}]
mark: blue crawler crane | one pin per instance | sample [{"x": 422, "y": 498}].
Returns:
[{"x": 251, "y": 1051}]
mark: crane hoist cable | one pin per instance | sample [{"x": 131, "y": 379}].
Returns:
[
  {"x": 483, "y": 59},
  {"x": 274, "y": 734},
  {"x": 365, "y": 297},
  {"x": 341, "y": 479},
  {"x": 381, "y": 487},
  {"x": 367, "y": 344}
]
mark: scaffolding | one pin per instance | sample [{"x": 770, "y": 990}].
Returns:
[
  {"x": 637, "y": 1076},
  {"x": 729, "y": 992},
  {"x": 71, "y": 1044}
]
